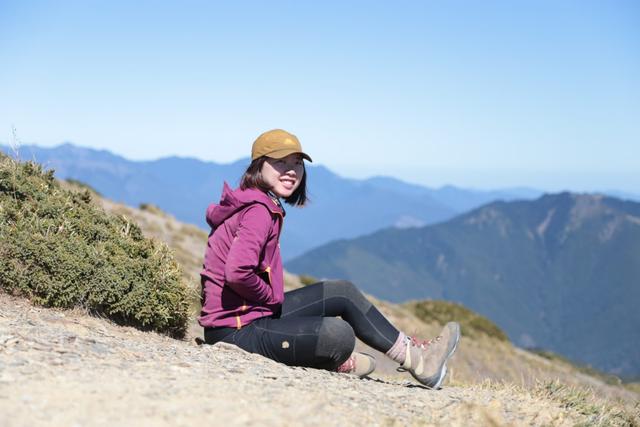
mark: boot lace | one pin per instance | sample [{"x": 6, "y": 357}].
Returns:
[
  {"x": 423, "y": 344},
  {"x": 348, "y": 366}
]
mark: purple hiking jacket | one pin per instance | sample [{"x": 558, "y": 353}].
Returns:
[{"x": 242, "y": 277}]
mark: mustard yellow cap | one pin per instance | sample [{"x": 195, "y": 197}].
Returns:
[{"x": 277, "y": 143}]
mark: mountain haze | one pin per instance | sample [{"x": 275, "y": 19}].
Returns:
[
  {"x": 561, "y": 272},
  {"x": 339, "y": 208}
]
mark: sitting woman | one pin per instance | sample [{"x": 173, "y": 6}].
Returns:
[{"x": 244, "y": 302}]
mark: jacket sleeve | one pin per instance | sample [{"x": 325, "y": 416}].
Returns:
[{"x": 243, "y": 259}]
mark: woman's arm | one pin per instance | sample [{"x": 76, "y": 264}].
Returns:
[{"x": 243, "y": 259}]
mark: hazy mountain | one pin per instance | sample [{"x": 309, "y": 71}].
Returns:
[
  {"x": 561, "y": 272},
  {"x": 456, "y": 198},
  {"x": 339, "y": 208},
  {"x": 624, "y": 195},
  {"x": 181, "y": 186}
]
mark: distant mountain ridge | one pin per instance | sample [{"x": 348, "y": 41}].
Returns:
[
  {"x": 561, "y": 272},
  {"x": 340, "y": 207}
]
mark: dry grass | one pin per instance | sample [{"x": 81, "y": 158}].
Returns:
[{"x": 596, "y": 411}]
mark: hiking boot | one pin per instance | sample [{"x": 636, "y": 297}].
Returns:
[
  {"x": 360, "y": 364},
  {"x": 427, "y": 360}
]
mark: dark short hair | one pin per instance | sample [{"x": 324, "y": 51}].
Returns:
[{"x": 252, "y": 178}]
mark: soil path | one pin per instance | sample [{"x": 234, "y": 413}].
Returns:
[{"x": 69, "y": 369}]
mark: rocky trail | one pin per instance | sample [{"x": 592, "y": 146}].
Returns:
[{"x": 65, "y": 368}]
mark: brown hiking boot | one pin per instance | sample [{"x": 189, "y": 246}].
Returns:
[
  {"x": 427, "y": 360},
  {"x": 360, "y": 364}
]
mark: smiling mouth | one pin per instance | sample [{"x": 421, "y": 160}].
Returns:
[{"x": 288, "y": 184}]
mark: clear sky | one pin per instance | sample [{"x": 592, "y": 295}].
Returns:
[{"x": 480, "y": 94}]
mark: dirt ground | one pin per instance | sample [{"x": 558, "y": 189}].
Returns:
[{"x": 64, "y": 368}]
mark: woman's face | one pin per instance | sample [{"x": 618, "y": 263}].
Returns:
[{"x": 283, "y": 176}]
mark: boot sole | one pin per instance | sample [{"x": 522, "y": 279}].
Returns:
[{"x": 443, "y": 372}]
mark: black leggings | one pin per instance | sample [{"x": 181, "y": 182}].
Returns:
[{"x": 307, "y": 333}]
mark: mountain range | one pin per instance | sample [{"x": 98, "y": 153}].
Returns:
[
  {"x": 339, "y": 208},
  {"x": 561, "y": 272}
]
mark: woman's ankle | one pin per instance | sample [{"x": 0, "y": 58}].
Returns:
[{"x": 398, "y": 351}]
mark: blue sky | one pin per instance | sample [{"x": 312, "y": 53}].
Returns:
[{"x": 477, "y": 94}]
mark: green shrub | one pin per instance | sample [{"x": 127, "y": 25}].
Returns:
[
  {"x": 307, "y": 280},
  {"x": 471, "y": 324},
  {"x": 60, "y": 250},
  {"x": 151, "y": 208},
  {"x": 82, "y": 185}
]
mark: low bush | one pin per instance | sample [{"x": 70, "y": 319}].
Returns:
[
  {"x": 149, "y": 207},
  {"x": 307, "y": 280},
  {"x": 82, "y": 185},
  {"x": 61, "y": 250},
  {"x": 472, "y": 324}
]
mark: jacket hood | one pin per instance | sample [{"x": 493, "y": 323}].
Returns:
[{"x": 232, "y": 201}]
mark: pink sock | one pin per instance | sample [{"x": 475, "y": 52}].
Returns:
[{"x": 399, "y": 349}]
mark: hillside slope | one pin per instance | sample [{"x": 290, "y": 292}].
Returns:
[{"x": 561, "y": 272}]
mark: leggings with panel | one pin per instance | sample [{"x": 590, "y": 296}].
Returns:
[{"x": 307, "y": 331}]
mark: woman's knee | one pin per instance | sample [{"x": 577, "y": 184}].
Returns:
[
  {"x": 346, "y": 289},
  {"x": 336, "y": 340},
  {"x": 340, "y": 285}
]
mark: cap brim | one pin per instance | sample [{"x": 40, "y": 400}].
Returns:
[{"x": 279, "y": 154}]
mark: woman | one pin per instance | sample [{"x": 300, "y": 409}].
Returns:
[{"x": 243, "y": 286}]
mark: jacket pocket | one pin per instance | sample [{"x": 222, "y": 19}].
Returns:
[
  {"x": 231, "y": 301},
  {"x": 265, "y": 274}
]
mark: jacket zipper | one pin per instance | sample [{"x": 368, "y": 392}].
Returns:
[{"x": 243, "y": 308}]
